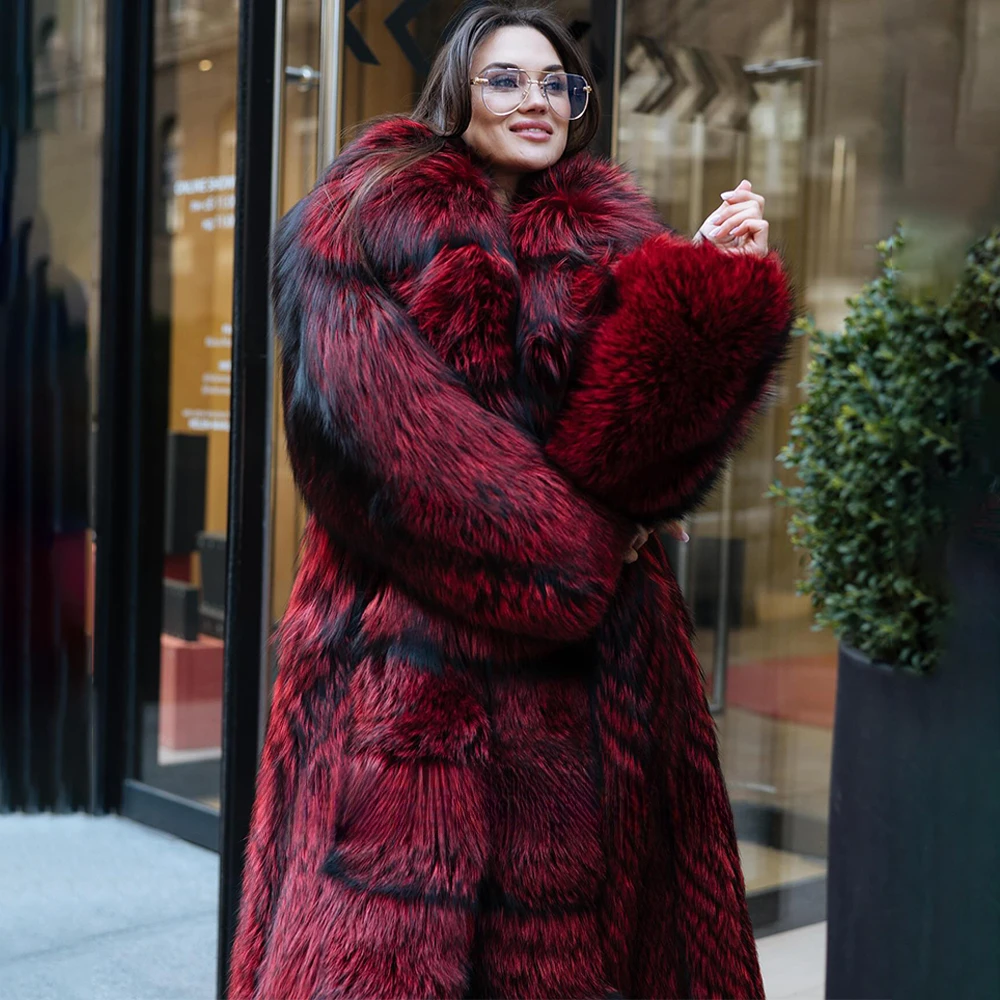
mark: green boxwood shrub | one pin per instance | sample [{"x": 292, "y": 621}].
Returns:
[{"x": 877, "y": 447}]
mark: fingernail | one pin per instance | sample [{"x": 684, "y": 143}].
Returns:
[
  {"x": 715, "y": 232},
  {"x": 726, "y": 195},
  {"x": 685, "y": 537},
  {"x": 716, "y": 219}
]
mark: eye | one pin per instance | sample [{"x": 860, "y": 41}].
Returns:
[
  {"x": 504, "y": 81},
  {"x": 556, "y": 84}
]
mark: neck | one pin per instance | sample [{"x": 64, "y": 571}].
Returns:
[{"x": 506, "y": 183}]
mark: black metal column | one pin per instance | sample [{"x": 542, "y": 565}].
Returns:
[
  {"x": 124, "y": 321},
  {"x": 604, "y": 35},
  {"x": 249, "y": 455}
]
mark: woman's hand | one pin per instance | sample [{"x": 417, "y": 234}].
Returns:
[
  {"x": 673, "y": 528},
  {"x": 738, "y": 225}
]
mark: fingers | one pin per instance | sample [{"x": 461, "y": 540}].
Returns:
[
  {"x": 641, "y": 537},
  {"x": 739, "y": 205},
  {"x": 705, "y": 232},
  {"x": 753, "y": 233},
  {"x": 741, "y": 198},
  {"x": 673, "y": 528},
  {"x": 728, "y": 211},
  {"x": 751, "y": 225},
  {"x": 729, "y": 229},
  {"x": 676, "y": 530},
  {"x": 743, "y": 192}
]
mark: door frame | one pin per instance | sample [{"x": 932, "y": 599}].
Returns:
[
  {"x": 127, "y": 581},
  {"x": 261, "y": 83}
]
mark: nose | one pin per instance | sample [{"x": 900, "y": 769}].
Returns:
[{"x": 535, "y": 99}]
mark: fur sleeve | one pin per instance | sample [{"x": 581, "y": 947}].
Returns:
[
  {"x": 670, "y": 379},
  {"x": 402, "y": 466}
]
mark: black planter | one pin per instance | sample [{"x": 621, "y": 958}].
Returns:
[{"x": 914, "y": 858}]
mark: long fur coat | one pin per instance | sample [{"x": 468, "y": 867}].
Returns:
[{"x": 490, "y": 770}]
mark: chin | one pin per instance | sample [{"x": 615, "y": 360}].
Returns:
[{"x": 540, "y": 159}]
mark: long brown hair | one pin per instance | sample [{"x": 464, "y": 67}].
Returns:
[{"x": 445, "y": 104}]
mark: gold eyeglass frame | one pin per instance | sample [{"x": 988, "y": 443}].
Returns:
[{"x": 478, "y": 81}]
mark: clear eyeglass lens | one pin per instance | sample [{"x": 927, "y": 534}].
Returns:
[{"x": 505, "y": 90}]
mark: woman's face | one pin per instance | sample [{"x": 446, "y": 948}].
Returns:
[{"x": 532, "y": 138}]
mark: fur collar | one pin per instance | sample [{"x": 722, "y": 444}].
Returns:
[{"x": 583, "y": 205}]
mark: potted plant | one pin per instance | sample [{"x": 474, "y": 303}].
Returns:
[{"x": 894, "y": 454}]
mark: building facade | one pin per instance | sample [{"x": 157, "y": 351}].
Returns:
[{"x": 151, "y": 539}]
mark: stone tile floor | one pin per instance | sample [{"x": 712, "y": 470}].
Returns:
[{"x": 794, "y": 963}]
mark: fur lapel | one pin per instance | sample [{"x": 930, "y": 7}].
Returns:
[{"x": 568, "y": 227}]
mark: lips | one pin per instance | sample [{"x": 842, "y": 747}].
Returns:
[{"x": 532, "y": 127}]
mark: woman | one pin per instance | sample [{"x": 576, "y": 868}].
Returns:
[{"x": 490, "y": 770}]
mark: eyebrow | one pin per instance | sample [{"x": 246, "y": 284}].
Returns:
[{"x": 502, "y": 65}]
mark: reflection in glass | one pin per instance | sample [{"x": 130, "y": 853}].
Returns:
[
  {"x": 693, "y": 123},
  {"x": 193, "y": 217},
  {"x": 51, "y": 125}
]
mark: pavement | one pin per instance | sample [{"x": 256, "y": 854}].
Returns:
[
  {"x": 794, "y": 964},
  {"x": 100, "y": 908}
]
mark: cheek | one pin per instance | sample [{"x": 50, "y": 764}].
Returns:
[{"x": 483, "y": 129}]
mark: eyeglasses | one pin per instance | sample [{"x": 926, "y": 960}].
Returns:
[{"x": 505, "y": 90}]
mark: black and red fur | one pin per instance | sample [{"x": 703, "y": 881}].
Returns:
[{"x": 490, "y": 769}]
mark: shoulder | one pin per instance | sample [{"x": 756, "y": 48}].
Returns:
[
  {"x": 392, "y": 133},
  {"x": 313, "y": 251},
  {"x": 414, "y": 191},
  {"x": 583, "y": 203},
  {"x": 314, "y": 224}
]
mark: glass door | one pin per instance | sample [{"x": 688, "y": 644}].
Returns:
[
  {"x": 298, "y": 157},
  {"x": 707, "y": 98},
  {"x": 175, "y": 768}
]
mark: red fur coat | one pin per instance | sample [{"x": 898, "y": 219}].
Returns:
[{"x": 490, "y": 769}]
